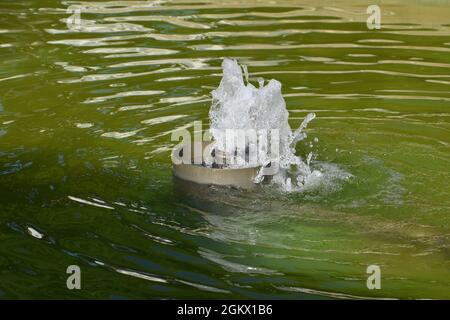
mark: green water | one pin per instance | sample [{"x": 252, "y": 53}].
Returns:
[{"x": 85, "y": 180}]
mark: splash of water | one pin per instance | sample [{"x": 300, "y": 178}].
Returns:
[{"x": 238, "y": 104}]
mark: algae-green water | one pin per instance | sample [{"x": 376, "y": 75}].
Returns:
[{"x": 86, "y": 116}]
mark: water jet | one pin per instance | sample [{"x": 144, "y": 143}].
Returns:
[{"x": 251, "y": 140}]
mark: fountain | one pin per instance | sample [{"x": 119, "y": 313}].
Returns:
[{"x": 251, "y": 140}]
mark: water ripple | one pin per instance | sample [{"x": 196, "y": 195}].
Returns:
[{"x": 85, "y": 123}]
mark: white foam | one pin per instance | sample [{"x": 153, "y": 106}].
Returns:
[{"x": 238, "y": 104}]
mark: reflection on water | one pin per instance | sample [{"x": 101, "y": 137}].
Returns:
[{"x": 85, "y": 174}]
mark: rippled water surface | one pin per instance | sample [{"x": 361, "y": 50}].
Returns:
[{"x": 85, "y": 174}]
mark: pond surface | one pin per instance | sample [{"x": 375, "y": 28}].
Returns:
[{"x": 86, "y": 116}]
